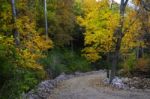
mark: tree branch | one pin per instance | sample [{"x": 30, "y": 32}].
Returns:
[
  {"x": 126, "y": 2},
  {"x": 126, "y": 29},
  {"x": 146, "y": 7}
]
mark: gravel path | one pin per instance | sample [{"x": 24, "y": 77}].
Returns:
[{"x": 91, "y": 87}]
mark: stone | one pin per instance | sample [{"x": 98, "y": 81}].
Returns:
[
  {"x": 117, "y": 82},
  {"x": 106, "y": 81},
  {"x": 61, "y": 77},
  {"x": 77, "y": 74}
]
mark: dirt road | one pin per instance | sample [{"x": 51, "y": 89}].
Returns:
[{"x": 92, "y": 87}]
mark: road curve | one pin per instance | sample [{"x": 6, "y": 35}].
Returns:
[{"x": 92, "y": 87}]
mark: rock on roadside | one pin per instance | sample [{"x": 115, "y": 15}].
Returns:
[{"x": 45, "y": 88}]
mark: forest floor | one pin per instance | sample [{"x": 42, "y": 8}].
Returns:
[{"x": 92, "y": 87}]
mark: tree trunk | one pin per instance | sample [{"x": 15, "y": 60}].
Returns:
[
  {"x": 141, "y": 52},
  {"x": 14, "y": 17},
  {"x": 119, "y": 35},
  {"x": 115, "y": 59},
  {"x": 46, "y": 23},
  {"x": 137, "y": 52},
  {"x": 108, "y": 65},
  {"x": 72, "y": 47}
]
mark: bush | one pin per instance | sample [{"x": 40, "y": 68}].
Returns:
[
  {"x": 64, "y": 60},
  {"x": 21, "y": 81},
  {"x": 142, "y": 67},
  {"x": 53, "y": 63},
  {"x": 14, "y": 79},
  {"x": 143, "y": 64},
  {"x": 135, "y": 67},
  {"x": 74, "y": 62},
  {"x": 128, "y": 64}
]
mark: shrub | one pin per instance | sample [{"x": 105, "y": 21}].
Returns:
[
  {"x": 21, "y": 81},
  {"x": 136, "y": 67},
  {"x": 142, "y": 67},
  {"x": 143, "y": 64},
  {"x": 64, "y": 60},
  {"x": 128, "y": 64},
  {"x": 14, "y": 79},
  {"x": 53, "y": 63},
  {"x": 75, "y": 62}
]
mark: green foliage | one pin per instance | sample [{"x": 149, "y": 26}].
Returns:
[
  {"x": 53, "y": 62},
  {"x": 64, "y": 29},
  {"x": 8, "y": 55},
  {"x": 14, "y": 80},
  {"x": 19, "y": 67},
  {"x": 63, "y": 60},
  {"x": 129, "y": 64},
  {"x": 61, "y": 20},
  {"x": 74, "y": 62},
  {"x": 78, "y": 10},
  {"x": 19, "y": 81}
]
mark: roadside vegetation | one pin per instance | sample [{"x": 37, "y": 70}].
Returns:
[{"x": 40, "y": 39}]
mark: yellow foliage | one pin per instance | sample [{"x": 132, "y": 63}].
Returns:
[
  {"x": 100, "y": 23},
  {"x": 132, "y": 37},
  {"x": 32, "y": 43},
  {"x": 28, "y": 59},
  {"x": 91, "y": 54}
]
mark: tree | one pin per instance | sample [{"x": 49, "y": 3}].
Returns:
[
  {"x": 15, "y": 31},
  {"x": 119, "y": 34},
  {"x": 20, "y": 69},
  {"x": 46, "y": 23},
  {"x": 63, "y": 33},
  {"x": 143, "y": 17},
  {"x": 32, "y": 43},
  {"x": 100, "y": 21}
]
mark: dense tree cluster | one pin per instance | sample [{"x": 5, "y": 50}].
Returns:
[{"x": 54, "y": 31}]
